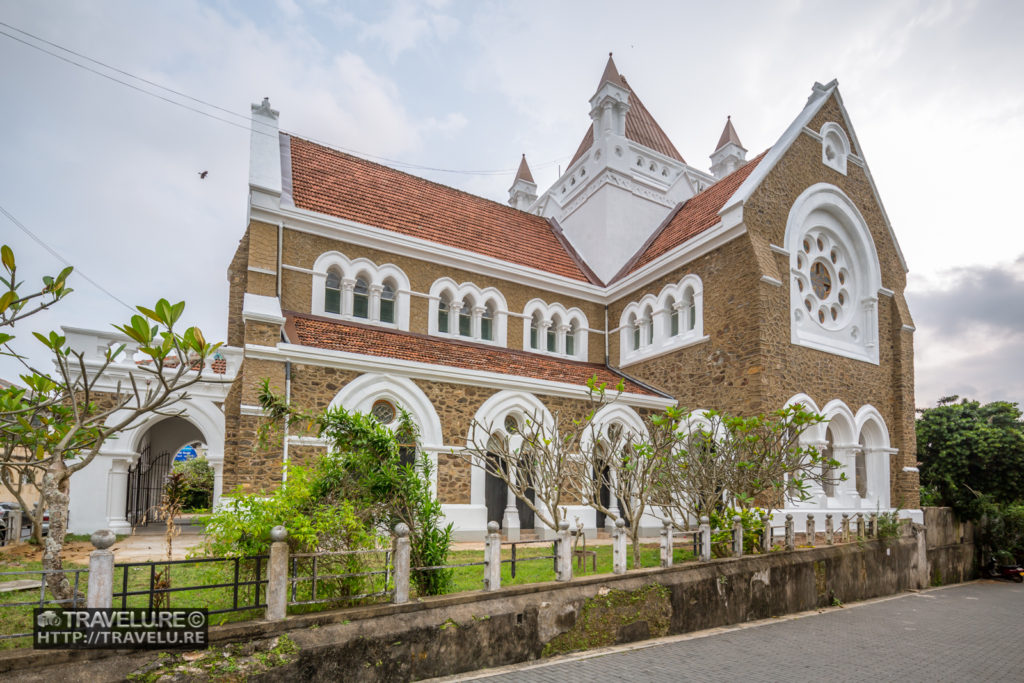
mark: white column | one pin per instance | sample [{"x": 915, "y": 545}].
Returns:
[
  {"x": 613, "y": 502},
  {"x": 510, "y": 520},
  {"x": 560, "y": 333},
  {"x": 348, "y": 285},
  {"x": 478, "y": 314},
  {"x": 117, "y": 495},
  {"x": 877, "y": 462},
  {"x": 375, "y": 292},
  {"x": 542, "y": 334},
  {"x": 216, "y": 461},
  {"x": 846, "y": 491}
]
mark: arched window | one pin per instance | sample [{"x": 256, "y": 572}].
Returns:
[
  {"x": 634, "y": 326},
  {"x": 535, "y": 331},
  {"x": 689, "y": 309},
  {"x": 570, "y": 338},
  {"x": 387, "y": 303},
  {"x": 361, "y": 298},
  {"x": 443, "y": 308},
  {"x": 487, "y": 322},
  {"x": 552, "y": 336},
  {"x": 332, "y": 291},
  {"x": 673, "y": 316},
  {"x": 466, "y": 319}
]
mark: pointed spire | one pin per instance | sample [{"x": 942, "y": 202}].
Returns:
[
  {"x": 524, "y": 171},
  {"x": 523, "y": 192},
  {"x": 728, "y": 135},
  {"x": 611, "y": 74},
  {"x": 730, "y": 153}
]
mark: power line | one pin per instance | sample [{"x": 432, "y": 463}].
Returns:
[
  {"x": 385, "y": 160},
  {"x": 56, "y": 255}
]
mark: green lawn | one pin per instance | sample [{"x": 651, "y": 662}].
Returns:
[{"x": 18, "y": 619}]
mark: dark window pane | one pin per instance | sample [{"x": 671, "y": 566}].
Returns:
[
  {"x": 675, "y": 322},
  {"x": 466, "y": 321},
  {"x": 486, "y": 331},
  {"x": 332, "y": 300},
  {"x": 360, "y": 306},
  {"x": 551, "y": 339},
  {"x": 570, "y": 344},
  {"x": 387, "y": 311},
  {"x": 533, "y": 336}
]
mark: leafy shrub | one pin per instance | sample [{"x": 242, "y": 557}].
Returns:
[
  {"x": 1001, "y": 531},
  {"x": 721, "y": 542},
  {"x": 197, "y": 483}
]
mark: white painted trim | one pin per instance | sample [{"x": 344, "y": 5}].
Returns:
[
  {"x": 264, "y": 309},
  {"x": 307, "y": 441},
  {"x": 361, "y": 393},
  {"x": 649, "y": 313},
  {"x": 437, "y": 373},
  {"x": 245, "y": 409},
  {"x": 908, "y": 328},
  {"x": 298, "y": 269},
  {"x": 886, "y": 292},
  {"x": 771, "y": 281},
  {"x": 264, "y": 271},
  {"x": 911, "y": 469},
  {"x": 779, "y": 250}
]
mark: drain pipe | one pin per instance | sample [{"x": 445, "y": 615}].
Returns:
[
  {"x": 288, "y": 402},
  {"x": 606, "y": 334},
  {"x": 280, "y": 256}
]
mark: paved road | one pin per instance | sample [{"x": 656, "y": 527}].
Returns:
[{"x": 971, "y": 632}]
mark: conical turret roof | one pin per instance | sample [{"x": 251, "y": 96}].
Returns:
[
  {"x": 729, "y": 135},
  {"x": 524, "y": 171}
]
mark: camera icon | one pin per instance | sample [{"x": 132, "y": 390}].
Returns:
[{"x": 48, "y": 618}]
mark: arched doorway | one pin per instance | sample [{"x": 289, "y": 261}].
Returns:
[{"x": 148, "y": 475}]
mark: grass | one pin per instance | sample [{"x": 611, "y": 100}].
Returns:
[{"x": 203, "y": 574}]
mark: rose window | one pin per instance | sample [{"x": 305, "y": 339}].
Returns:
[{"x": 823, "y": 278}]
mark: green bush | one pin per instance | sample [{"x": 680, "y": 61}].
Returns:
[
  {"x": 197, "y": 483},
  {"x": 1001, "y": 531},
  {"x": 721, "y": 542}
]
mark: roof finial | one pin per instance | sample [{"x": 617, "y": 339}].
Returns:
[{"x": 524, "y": 171}]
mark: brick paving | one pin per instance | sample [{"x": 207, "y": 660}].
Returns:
[{"x": 969, "y": 632}]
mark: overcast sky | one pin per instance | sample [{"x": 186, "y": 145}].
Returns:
[{"x": 109, "y": 177}]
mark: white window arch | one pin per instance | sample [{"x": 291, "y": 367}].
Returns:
[
  {"x": 658, "y": 324},
  {"x": 835, "y": 146},
  {"x": 555, "y": 329},
  {"x": 834, "y": 275},
  {"x": 359, "y": 289},
  {"x": 468, "y": 312}
]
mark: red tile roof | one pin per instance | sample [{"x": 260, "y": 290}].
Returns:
[
  {"x": 640, "y": 128},
  {"x": 693, "y": 217},
  {"x": 338, "y": 184},
  {"x": 324, "y": 333}
]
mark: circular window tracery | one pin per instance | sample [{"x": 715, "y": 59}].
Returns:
[
  {"x": 383, "y": 411},
  {"x": 823, "y": 279}
]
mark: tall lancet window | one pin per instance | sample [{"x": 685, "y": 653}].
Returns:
[
  {"x": 361, "y": 299},
  {"x": 332, "y": 292}
]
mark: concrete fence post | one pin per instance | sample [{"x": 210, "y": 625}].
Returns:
[
  {"x": 619, "y": 547},
  {"x": 830, "y": 536},
  {"x": 846, "y": 527},
  {"x": 101, "y": 570},
  {"x": 403, "y": 555},
  {"x": 790, "y": 533},
  {"x": 492, "y": 557},
  {"x": 873, "y": 526},
  {"x": 860, "y": 526},
  {"x": 737, "y": 536},
  {"x": 809, "y": 531},
  {"x": 666, "y": 543},
  {"x": 705, "y": 539},
  {"x": 766, "y": 534},
  {"x": 563, "y": 553},
  {"x": 277, "y": 575},
  {"x": 14, "y": 528}
]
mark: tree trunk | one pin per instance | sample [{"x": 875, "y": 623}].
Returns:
[
  {"x": 634, "y": 535},
  {"x": 55, "y": 499}
]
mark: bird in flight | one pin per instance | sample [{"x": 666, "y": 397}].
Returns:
[{"x": 202, "y": 174}]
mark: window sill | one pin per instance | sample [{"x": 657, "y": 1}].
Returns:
[{"x": 670, "y": 345}]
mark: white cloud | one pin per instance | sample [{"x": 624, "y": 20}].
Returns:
[{"x": 408, "y": 24}]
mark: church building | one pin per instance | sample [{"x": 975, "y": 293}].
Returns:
[{"x": 767, "y": 279}]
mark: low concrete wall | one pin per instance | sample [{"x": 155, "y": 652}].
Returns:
[
  {"x": 952, "y": 553},
  {"x": 468, "y": 631}
]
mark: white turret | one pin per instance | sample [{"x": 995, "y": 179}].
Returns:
[
  {"x": 730, "y": 154},
  {"x": 523, "y": 192}
]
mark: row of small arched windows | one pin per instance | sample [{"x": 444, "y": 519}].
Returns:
[
  {"x": 334, "y": 297},
  {"x": 680, "y": 317}
]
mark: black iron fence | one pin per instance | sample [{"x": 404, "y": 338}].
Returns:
[{"x": 228, "y": 584}]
